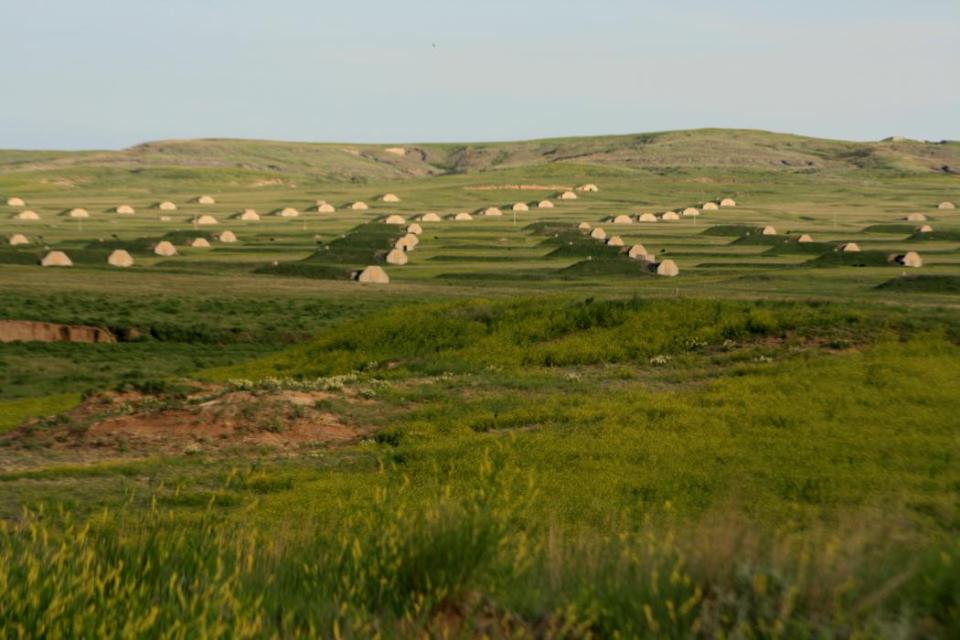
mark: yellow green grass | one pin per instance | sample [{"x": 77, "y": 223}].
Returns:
[
  {"x": 13, "y": 412},
  {"x": 764, "y": 446}
]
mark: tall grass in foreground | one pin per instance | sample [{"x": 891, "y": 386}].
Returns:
[{"x": 448, "y": 565}]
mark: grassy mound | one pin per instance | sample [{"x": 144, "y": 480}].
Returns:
[
  {"x": 856, "y": 259},
  {"x": 363, "y": 245},
  {"x": 613, "y": 265},
  {"x": 20, "y": 256},
  {"x": 305, "y": 270},
  {"x": 573, "y": 243},
  {"x": 584, "y": 248},
  {"x": 359, "y": 245},
  {"x": 728, "y": 230},
  {"x": 937, "y": 236},
  {"x": 757, "y": 238},
  {"x": 88, "y": 256},
  {"x": 923, "y": 284},
  {"x": 905, "y": 229},
  {"x": 794, "y": 247},
  {"x": 512, "y": 275},
  {"x": 480, "y": 259}
]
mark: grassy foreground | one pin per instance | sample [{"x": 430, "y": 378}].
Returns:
[{"x": 541, "y": 468}]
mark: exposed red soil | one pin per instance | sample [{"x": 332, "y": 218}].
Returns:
[{"x": 208, "y": 419}]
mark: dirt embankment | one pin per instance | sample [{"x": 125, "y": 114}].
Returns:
[{"x": 30, "y": 331}]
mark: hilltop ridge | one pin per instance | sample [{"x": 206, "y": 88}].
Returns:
[{"x": 346, "y": 162}]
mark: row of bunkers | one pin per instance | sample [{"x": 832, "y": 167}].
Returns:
[{"x": 397, "y": 256}]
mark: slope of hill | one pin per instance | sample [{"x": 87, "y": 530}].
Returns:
[{"x": 720, "y": 148}]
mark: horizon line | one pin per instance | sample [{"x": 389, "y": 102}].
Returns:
[{"x": 177, "y": 139}]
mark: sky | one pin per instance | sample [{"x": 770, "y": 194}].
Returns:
[{"x": 106, "y": 74}]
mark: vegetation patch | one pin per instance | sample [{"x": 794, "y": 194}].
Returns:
[
  {"x": 479, "y": 334},
  {"x": 923, "y": 284},
  {"x": 936, "y": 236},
  {"x": 363, "y": 245},
  {"x": 757, "y": 238},
  {"x": 791, "y": 246},
  {"x": 851, "y": 259},
  {"x": 898, "y": 229},
  {"x": 615, "y": 264},
  {"x": 14, "y": 412},
  {"x": 19, "y": 256},
  {"x": 729, "y": 230},
  {"x": 305, "y": 270}
]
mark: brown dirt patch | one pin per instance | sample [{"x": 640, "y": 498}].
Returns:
[
  {"x": 272, "y": 182},
  {"x": 520, "y": 187},
  {"x": 208, "y": 418}
]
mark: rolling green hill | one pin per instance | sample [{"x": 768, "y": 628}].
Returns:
[{"x": 268, "y": 163}]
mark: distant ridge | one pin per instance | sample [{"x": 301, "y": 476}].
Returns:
[{"x": 700, "y": 148}]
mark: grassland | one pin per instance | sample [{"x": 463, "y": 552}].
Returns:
[{"x": 550, "y": 441}]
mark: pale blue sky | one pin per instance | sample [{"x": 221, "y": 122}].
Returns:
[{"x": 111, "y": 73}]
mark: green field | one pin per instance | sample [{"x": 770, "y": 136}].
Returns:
[{"x": 525, "y": 433}]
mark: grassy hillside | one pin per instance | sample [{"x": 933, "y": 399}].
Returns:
[
  {"x": 565, "y": 468},
  {"x": 265, "y": 163}
]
